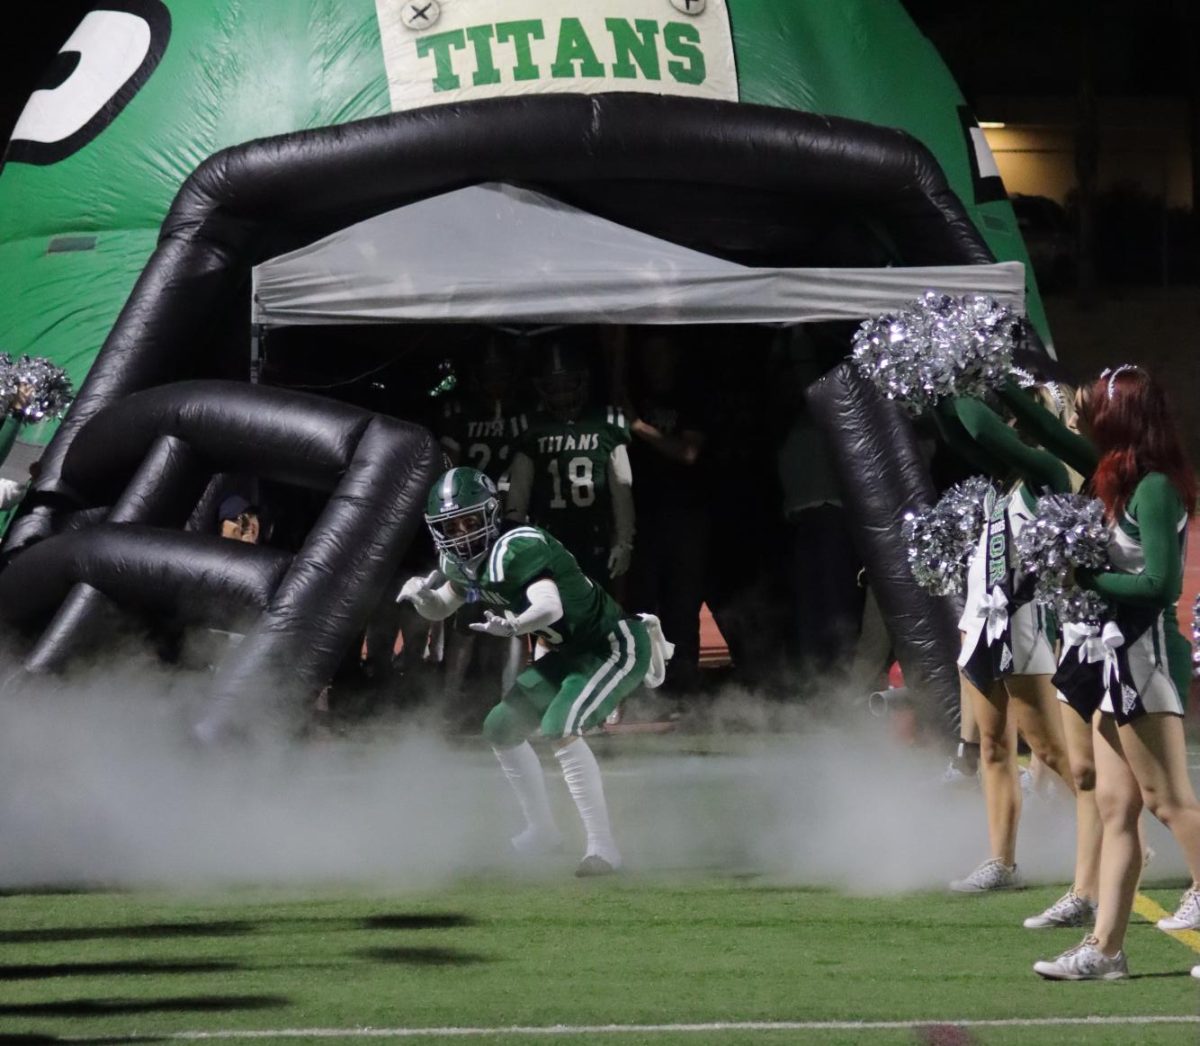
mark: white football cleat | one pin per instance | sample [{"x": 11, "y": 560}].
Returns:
[
  {"x": 534, "y": 841},
  {"x": 1069, "y": 910},
  {"x": 1084, "y": 962},
  {"x": 593, "y": 865},
  {"x": 1187, "y": 915},
  {"x": 993, "y": 874}
]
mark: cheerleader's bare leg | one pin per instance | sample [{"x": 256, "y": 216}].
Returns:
[
  {"x": 1119, "y": 801},
  {"x": 1157, "y": 753},
  {"x": 997, "y": 768},
  {"x": 1036, "y": 706},
  {"x": 1077, "y": 732}
]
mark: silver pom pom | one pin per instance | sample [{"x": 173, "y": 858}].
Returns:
[
  {"x": 8, "y": 380},
  {"x": 1069, "y": 531},
  {"x": 936, "y": 347},
  {"x": 1196, "y": 635},
  {"x": 940, "y": 539},
  {"x": 46, "y": 390}
]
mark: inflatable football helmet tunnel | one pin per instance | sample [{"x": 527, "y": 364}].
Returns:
[{"x": 109, "y": 524}]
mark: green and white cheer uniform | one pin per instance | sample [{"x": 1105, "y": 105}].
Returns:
[
  {"x": 1005, "y": 631},
  {"x": 1147, "y": 550}
]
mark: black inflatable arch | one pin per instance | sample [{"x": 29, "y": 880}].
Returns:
[
  {"x": 150, "y": 457},
  {"x": 779, "y": 174}
]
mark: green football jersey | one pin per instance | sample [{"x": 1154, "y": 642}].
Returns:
[
  {"x": 570, "y": 492},
  {"x": 523, "y": 555},
  {"x": 482, "y": 440}
]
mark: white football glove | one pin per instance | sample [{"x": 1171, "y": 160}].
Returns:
[
  {"x": 619, "y": 558},
  {"x": 10, "y": 493},
  {"x": 496, "y": 624},
  {"x": 418, "y": 592}
]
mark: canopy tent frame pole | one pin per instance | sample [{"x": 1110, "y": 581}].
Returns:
[{"x": 258, "y": 337}]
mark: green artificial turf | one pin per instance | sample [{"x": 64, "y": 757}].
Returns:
[{"x": 631, "y": 950}]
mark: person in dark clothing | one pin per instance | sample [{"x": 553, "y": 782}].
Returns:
[
  {"x": 827, "y": 600},
  {"x": 666, "y": 454}
]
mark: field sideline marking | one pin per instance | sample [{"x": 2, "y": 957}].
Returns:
[
  {"x": 626, "y": 1029},
  {"x": 1151, "y": 912}
]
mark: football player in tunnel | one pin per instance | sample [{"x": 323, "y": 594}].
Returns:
[
  {"x": 530, "y": 585},
  {"x": 479, "y": 429},
  {"x": 570, "y": 472}
]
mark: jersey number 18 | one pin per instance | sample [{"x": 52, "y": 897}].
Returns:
[{"x": 579, "y": 478}]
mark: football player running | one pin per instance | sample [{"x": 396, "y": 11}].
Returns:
[
  {"x": 531, "y": 585},
  {"x": 570, "y": 471}
]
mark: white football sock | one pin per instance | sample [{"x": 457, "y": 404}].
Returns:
[
  {"x": 524, "y": 772},
  {"x": 582, "y": 774}
]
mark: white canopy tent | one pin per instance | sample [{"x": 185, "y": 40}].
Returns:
[{"x": 497, "y": 254}]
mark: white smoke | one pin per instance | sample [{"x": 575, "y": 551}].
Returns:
[{"x": 100, "y": 784}]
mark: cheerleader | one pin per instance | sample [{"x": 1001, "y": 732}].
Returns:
[
  {"x": 1007, "y": 657},
  {"x": 1129, "y": 446}
]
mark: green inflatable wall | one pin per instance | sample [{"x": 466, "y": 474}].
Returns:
[{"x": 145, "y": 90}]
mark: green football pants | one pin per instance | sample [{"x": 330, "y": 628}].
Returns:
[{"x": 564, "y": 693}]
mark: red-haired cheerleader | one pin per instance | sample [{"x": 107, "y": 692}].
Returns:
[{"x": 1130, "y": 447}]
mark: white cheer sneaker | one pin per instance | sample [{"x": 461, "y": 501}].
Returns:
[
  {"x": 993, "y": 874},
  {"x": 1084, "y": 962},
  {"x": 1069, "y": 910},
  {"x": 1187, "y": 915}
]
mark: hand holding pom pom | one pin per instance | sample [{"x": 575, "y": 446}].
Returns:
[
  {"x": 940, "y": 539},
  {"x": 937, "y": 347},
  {"x": 1064, "y": 547},
  {"x": 33, "y": 388}
]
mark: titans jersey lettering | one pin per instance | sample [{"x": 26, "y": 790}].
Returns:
[
  {"x": 482, "y": 442},
  {"x": 570, "y": 467}
]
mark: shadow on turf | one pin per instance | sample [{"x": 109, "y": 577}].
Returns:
[
  {"x": 395, "y": 921},
  {"x": 113, "y": 1007},
  {"x": 1167, "y": 973},
  {"x": 435, "y": 921},
  {"x": 420, "y": 956},
  {"x": 38, "y": 971},
  {"x": 100, "y": 933}
]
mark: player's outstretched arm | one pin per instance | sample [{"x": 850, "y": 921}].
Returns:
[
  {"x": 433, "y": 604},
  {"x": 545, "y": 608}
]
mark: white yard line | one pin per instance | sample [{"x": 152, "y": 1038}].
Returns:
[{"x": 567, "y": 1030}]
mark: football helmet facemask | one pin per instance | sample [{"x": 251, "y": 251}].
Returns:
[{"x": 463, "y": 514}]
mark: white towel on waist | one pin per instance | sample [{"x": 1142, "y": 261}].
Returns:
[{"x": 660, "y": 652}]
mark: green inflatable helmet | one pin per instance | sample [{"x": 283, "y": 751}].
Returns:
[
  {"x": 145, "y": 90},
  {"x": 175, "y": 144}
]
